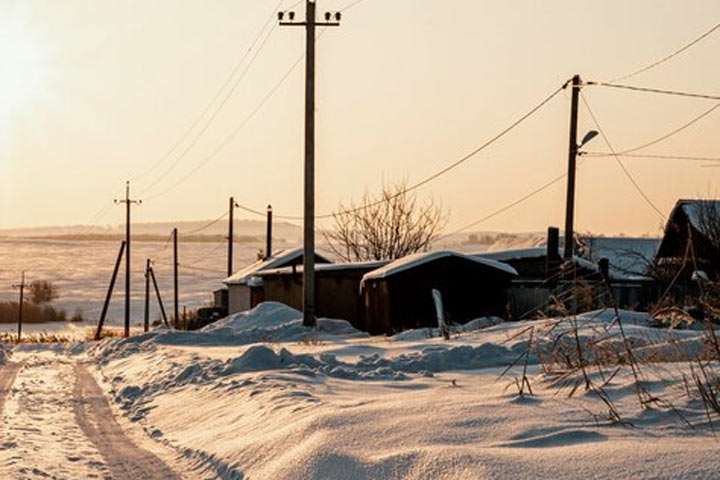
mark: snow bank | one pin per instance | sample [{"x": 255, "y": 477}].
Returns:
[{"x": 425, "y": 333}]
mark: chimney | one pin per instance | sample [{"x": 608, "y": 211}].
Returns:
[
  {"x": 604, "y": 265},
  {"x": 553, "y": 243},
  {"x": 268, "y": 235},
  {"x": 552, "y": 257}
]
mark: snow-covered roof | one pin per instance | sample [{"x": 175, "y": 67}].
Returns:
[
  {"x": 629, "y": 258},
  {"x": 328, "y": 267},
  {"x": 411, "y": 261},
  {"x": 516, "y": 254},
  {"x": 695, "y": 210},
  {"x": 278, "y": 260}
]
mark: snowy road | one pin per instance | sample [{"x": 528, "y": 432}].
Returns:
[
  {"x": 56, "y": 423},
  {"x": 123, "y": 458}
]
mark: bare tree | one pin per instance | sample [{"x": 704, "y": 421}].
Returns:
[
  {"x": 709, "y": 221},
  {"x": 42, "y": 291},
  {"x": 385, "y": 226}
]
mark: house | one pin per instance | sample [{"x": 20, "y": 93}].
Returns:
[
  {"x": 337, "y": 289},
  {"x": 690, "y": 247},
  {"x": 398, "y": 295},
  {"x": 245, "y": 289},
  {"x": 546, "y": 278}
]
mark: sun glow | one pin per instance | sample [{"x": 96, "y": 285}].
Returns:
[{"x": 23, "y": 66}]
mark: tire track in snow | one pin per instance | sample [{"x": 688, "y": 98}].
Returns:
[
  {"x": 94, "y": 416},
  {"x": 39, "y": 436}
]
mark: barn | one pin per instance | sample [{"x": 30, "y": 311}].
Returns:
[
  {"x": 690, "y": 246},
  {"x": 398, "y": 295},
  {"x": 245, "y": 289}
]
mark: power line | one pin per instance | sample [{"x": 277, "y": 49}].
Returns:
[
  {"x": 673, "y": 132},
  {"x": 213, "y": 116},
  {"x": 654, "y": 90},
  {"x": 206, "y": 226},
  {"x": 659, "y": 156},
  {"x": 507, "y": 207},
  {"x": 351, "y": 5},
  {"x": 217, "y": 95},
  {"x": 438, "y": 174},
  {"x": 235, "y": 132},
  {"x": 204, "y": 256},
  {"x": 668, "y": 57},
  {"x": 617, "y": 158}
]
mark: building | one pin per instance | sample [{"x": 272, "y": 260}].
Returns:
[
  {"x": 398, "y": 295},
  {"x": 690, "y": 247},
  {"x": 245, "y": 288},
  {"x": 337, "y": 289}
]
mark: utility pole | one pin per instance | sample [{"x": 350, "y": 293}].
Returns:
[
  {"x": 21, "y": 286},
  {"x": 101, "y": 322},
  {"x": 572, "y": 156},
  {"x": 146, "y": 318},
  {"x": 268, "y": 233},
  {"x": 128, "y": 202},
  {"x": 175, "y": 275},
  {"x": 231, "y": 236},
  {"x": 310, "y": 24},
  {"x": 159, "y": 298}
]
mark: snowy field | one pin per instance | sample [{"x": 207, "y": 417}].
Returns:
[
  {"x": 82, "y": 271},
  {"x": 259, "y": 396}
]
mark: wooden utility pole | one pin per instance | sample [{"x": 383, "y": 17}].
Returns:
[
  {"x": 101, "y": 322},
  {"x": 310, "y": 24},
  {"x": 175, "y": 275},
  {"x": 159, "y": 298},
  {"x": 128, "y": 202},
  {"x": 572, "y": 156},
  {"x": 21, "y": 286},
  {"x": 231, "y": 236},
  {"x": 268, "y": 233},
  {"x": 146, "y": 318}
]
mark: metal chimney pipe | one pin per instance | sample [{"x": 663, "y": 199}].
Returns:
[{"x": 268, "y": 235}]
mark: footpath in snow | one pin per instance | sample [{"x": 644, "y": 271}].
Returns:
[{"x": 257, "y": 395}]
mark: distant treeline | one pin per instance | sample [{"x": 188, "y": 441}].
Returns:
[
  {"x": 116, "y": 237},
  {"x": 35, "y": 313}
]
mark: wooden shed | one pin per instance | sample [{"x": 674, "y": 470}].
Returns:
[
  {"x": 245, "y": 289},
  {"x": 337, "y": 289},
  {"x": 398, "y": 296}
]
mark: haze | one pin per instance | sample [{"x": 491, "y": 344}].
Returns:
[{"x": 95, "y": 93}]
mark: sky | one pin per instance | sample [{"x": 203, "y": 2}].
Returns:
[{"x": 94, "y": 93}]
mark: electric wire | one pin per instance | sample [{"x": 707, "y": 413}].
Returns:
[
  {"x": 653, "y": 90},
  {"x": 437, "y": 174},
  {"x": 214, "y": 99},
  {"x": 507, "y": 207},
  {"x": 350, "y": 5},
  {"x": 656, "y": 156},
  {"x": 668, "y": 57},
  {"x": 673, "y": 132},
  {"x": 206, "y": 226},
  {"x": 210, "y": 120},
  {"x": 234, "y": 133},
  {"x": 617, "y": 159}
]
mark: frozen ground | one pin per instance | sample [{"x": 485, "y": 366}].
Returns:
[{"x": 259, "y": 396}]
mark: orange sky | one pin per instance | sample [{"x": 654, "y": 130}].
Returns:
[{"x": 94, "y": 93}]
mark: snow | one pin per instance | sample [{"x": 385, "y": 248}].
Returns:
[
  {"x": 630, "y": 258},
  {"x": 416, "y": 259},
  {"x": 279, "y": 259},
  {"x": 515, "y": 254},
  {"x": 258, "y": 395},
  {"x": 694, "y": 211},
  {"x": 330, "y": 267}
]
